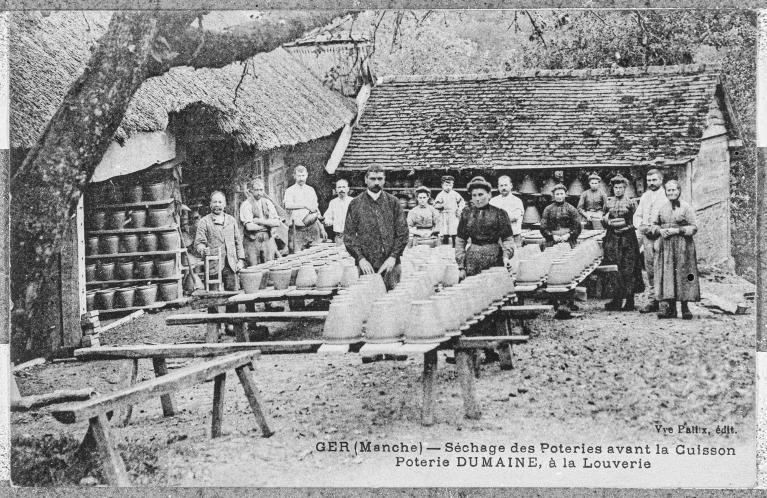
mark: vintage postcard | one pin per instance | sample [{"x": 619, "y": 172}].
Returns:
[{"x": 382, "y": 248}]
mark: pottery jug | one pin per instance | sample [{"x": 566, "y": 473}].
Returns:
[
  {"x": 128, "y": 243},
  {"x": 148, "y": 242},
  {"x": 117, "y": 219},
  {"x": 168, "y": 291},
  {"x": 133, "y": 193},
  {"x": 531, "y": 215},
  {"x": 424, "y": 325},
  {"x": 124, "y": 297},
  {"x": 280, "y": 277},
  {"x": 528, "y": 186},
  {"x": 138, "y": 218},
  {"x": 144, "y": 269},
  {"x": 124, "y": 270},
  {"x": 306, "y": 277}
]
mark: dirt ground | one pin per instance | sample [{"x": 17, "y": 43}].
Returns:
[{"x": 604, "y": 376}]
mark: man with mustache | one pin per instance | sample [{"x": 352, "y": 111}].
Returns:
[
  {"x": 647, "y": 211},
  {"x": 375, "y": 231}
]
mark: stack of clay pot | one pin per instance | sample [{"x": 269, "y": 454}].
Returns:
[
  {"x": 351, "y": 308},
  {"x": 534, "y": 266},
  {"x": 438, "y": 262}
]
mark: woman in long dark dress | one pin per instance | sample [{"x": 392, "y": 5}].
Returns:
[
  {"x": 676, "y": 265},
  {"x": 621, "y": 248}
]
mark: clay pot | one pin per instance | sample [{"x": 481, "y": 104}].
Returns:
[
  {"x": 403, "y": 203},
  {"x": 630, "y": 191},
  {"x": 98, "y": 220},
  {"x": 450, "y": 275},
  {"x": 385, "y": 328},
  {"x": 528, "y": 186},
  {"x": 144, "y": 269},
  {"x": 133, "y": 193},
  {"x": 445, "y": 312},
  {"x": 576, "y": 187},
  {"x": 435, "y": 272},
  {"x": 105, "y": 271},
  {"x": 92, "y": 246},
  {"x": 124, "y": 270},
  {"x": 306, "y": 277},
  {"x": 529, "y": 271},
  {"x": 111, "y": 193},
  {"x": 328, "y": 277},
  {"x": 169, "y": 241},
  {"x": 129, "y": 243},
  {"x": 156, "y": 191},
  {"x": 145, "y": 295},
  {"x": 117, "y": 220},
  {"x": 160, "y": 217},
  {"x": 562, "y": 272},
  {"x": 531, "y": 215},
  {"x": 344, "y": 322},
  {"x": 109, "y": 244},
  {"x": 424, "y": 324},
  {"x": 349, "y": 275},
  {"x": 548, "y": 187},
  {"x": 124, "y": 297},
  {"x": 280, "y": 278},
  {"x": 90, "y": 301},
  {"x": 165, "y": 269},
  {"x": 104, "y": 299},
  {"x": 148, "y": 242},
  {"x": 411, "y": 203},
  {"x": 90, "y": 272},
  {"x": 138, "y": 218},
  {"x": 252, "y": 279},
  {"x": 168, "y": 291}
]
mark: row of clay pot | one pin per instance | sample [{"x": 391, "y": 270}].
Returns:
[
  {"x": 100, "y": 219},
  {"x": 128, "y": 297},
  {"x": 115, "y": 194},
  {"x": 571, "y": 264},
  {"x": 127, "y": 270},
  {"x": 350, "y": 309},
  {"x": 131, "y": 242}
]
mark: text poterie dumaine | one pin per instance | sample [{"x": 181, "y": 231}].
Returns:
[{"x": 520, "y": 456}]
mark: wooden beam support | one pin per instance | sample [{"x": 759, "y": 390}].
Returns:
[
  {"x": 429, "y": 374},
  {"x": 160, "y": 369},
  {"x": 464, "y": 360},
  {"x": 279, "y": 316},
  {"x": 200, "y": 350},
  {"x": 129, "y": 375},
  {"x": 111, "y": 462},
  {"x": 251, "y": 392},
  {"x": 219, "y": 388}
]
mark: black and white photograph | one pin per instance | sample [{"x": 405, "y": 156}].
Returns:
[{"x": 383, "y": 248}]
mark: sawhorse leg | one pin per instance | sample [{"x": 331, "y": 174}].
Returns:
[
  {"x": 160, "y": 369},
  {"x": 99, "y": 437},
  {"x": 464, "y": 360},
  {"x": 219, "y": 387},
  {"x": 211, "y": 335},
  {"x": 429, "y": 374},
  {"x": 251, "y": 392},
  {"x": 129, "y": 374}
]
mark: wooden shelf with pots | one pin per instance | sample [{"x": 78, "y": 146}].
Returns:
[
  {"x": 135, "y": 254},
  {"x": 132, "y": 281},
  {"x": 155, "y": 305},
  {"x": 127, "y": 205},
  {"x": 120, "y": 231}
]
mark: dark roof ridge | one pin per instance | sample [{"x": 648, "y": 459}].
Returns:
[{"x": 557, "y": 73}]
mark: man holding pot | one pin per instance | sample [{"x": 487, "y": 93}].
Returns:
[
  {"x": 258, "y": 216},
  {"x": 301, "y": 202},
  {"x": 375, "y": 232}
]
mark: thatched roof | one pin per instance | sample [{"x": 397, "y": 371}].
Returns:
[
  {"x": 46, "y": 54},
  {"x": 538, "y": 119},
  {"x": 279, "y": 102}
]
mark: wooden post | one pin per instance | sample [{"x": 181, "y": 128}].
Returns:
[
  {"x": 211, "y": 334},
  {"x": 504, "y": 351},
  {"x": 251, "y": 392},
  {"x": 464, "y": 362},
  {"x": 429, "y": 371},
  {"x": 73, "y": 279},
  {"x": 160, "y": 369},
  {"x": 128, "y": 375},
  {"x": 219, "y": 387},
  {"x": 111, "y": 461}
]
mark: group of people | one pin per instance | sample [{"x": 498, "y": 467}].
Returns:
[{"x": 375, "y": 230}]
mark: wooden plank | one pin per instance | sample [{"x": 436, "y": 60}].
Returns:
[
  {"x": 307, "y": 293},
  {"x": 126, "y": 205},
  {"x": 122, "y": 321},
  {"x": 464, "y": 364},
  {"x": 489, "y": 342},
  {"x": 333, "y": 349},
  {"x": 219, "y": 388},
  {"x": 129, "y": 376},
  {"x": 380, "y": 348},
  {"x": 26, "y": 403},
  {"x": 251, "y": 392},
  {"x": 149, "y": 389},
  {"x": 538, "y": 308},
  {"x": 73, "y": 282},
  {"x": 276, "y": 316},
  {"x": 267, "y": 294},
  {"x": 94, "y": 283},
  {"x": 111, "y": 462},
  {"x": 200, "y": 350},
  {"x": 28, "y": 364},
  {"x": 606, "y": 268},
  {"x": 134, "y": 254},
  {"x": 409, "y": 348},
  {"x": 429, "y": 373},
  {"x": 160, "y": 369},
  {"x": 157, "y": 305}
]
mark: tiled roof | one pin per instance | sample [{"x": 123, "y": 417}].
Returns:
[{"x": 543, "y": 118}]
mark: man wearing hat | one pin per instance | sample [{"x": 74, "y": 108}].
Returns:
[
  {"x": 450, "y": 203},
  {"x": 375, "y": 231},
  {"x": 423, "y": 220},
  {"x": 487, "y": 227},
  {"x": 593, "y": 201}
]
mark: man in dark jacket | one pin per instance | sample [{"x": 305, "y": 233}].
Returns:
[{"x": 375, "y": 232}]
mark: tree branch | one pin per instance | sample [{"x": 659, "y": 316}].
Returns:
[{"x": 535, "y": 27}]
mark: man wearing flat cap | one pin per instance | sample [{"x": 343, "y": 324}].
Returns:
[
  {"x": 423, "y": 220},
  {"x": 489, "y": 230},
  {"x": 450, "y": 204},
  {"x": 593, "y": 201}
]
